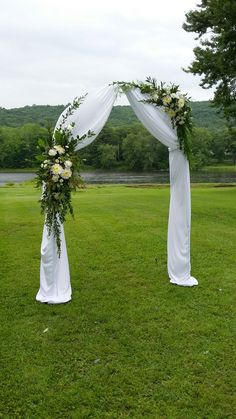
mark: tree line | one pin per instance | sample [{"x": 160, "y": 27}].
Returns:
[
  {"x": 125, "y": 147},
  {"x": 204, "y": 115}
]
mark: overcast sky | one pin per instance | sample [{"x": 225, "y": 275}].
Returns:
[{"x": 54, "y": 50}]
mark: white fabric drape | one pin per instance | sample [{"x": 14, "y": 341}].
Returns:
[
  {"x": 92, "y": 115},
  {"x": 55, "y": 287},
  {"x": 155, "y": 120},
  {"x": 159, "y": 125},
  {"x": 179, "y": 219}
]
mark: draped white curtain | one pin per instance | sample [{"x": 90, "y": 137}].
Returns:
[
  {"x": 159, "y": 125},
  {"x": 55, "y": 287},
  {"x": 92, "y": 115}
]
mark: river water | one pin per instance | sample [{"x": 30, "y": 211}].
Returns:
[{"x": 128, "y": 177}]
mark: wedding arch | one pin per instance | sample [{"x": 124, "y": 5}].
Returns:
[{"x": 84, "y": 122}]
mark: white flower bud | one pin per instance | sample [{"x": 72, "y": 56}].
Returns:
[
  {"x": 68, "y": 164},
  {"x": 52, "y": 152}
]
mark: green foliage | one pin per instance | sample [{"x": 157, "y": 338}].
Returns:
[
  {"x": 95, "y": 155},
  {"x": 129, "y": 345},
  {"x": 133, "y": 151},
  {"x": 204, "y": 115},
  {"x": 141, "y": 151},
  {"x": 175, "y": 104},
  {"x": 107, "y": 155},
  {"x": 214, "y": 22},
  {"x": 58, "y": 174},
  {"x": 218, "y": 147},
  {"x": 42, "y": 115},
  {"x": 18, "y": 146},
  {"x": 231, "y": 147},
  {"x": 122, "y": 115},
  {"x": 201, "y": 148},
  {"x": 207, "y": 116}
]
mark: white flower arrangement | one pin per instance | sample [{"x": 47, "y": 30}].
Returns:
[{"x": 59, "y": 173}]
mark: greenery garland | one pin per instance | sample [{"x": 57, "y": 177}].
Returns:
[
  {"x": 174, "y": 103},
  {"x": 58, "y": 173}
]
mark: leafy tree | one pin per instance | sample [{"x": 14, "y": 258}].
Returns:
[
  {"x": 92, "y": 154},
  {"x": 232, "y": 149},
  {"x": 121, "y": 133},
  {"x": 107, "y": 155},
  {"x": 133, "y": 150},
  {"x": 18, "y": 146},
  {"x": 201, "y": 142},
  {"x": 231, "y": 146},
  {"x": 29, "y": 135},
  {"x": 143, "y": 152},
  {"x": 160, "y": 154},
  {"x": 218, "y": 145},
  {"x": 214, "y": 22}
]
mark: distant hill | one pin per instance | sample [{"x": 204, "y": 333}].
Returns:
[
  {"x": 207, "y": 116},
  {"x": 39, "y": 114},
  {"x": 203, "y": 113}
]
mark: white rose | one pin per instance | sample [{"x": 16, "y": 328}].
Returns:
[
  {"x": 155, "y": 96},
  {"x": 171, "y": 113},
  {"x": 166, "y": 100},
  {"x": 181, "y": 102},
  {"x": 68, "y": 164},
  {"x": 52, "y": 152},
  {"x": 56, "y": 169},
  {"x": 66, "y": 174},
  {"x": 59, "y": 149}
]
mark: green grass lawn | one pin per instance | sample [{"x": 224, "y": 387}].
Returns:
[
  {"x": 219, "y": 168},
  {"x": 129, "y": 344},
  {"x": 22, "y": 170}
]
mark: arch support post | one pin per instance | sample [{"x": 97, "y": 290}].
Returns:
[
  {"x": 179, "y": 226},
  {"x": 55, "y": 286}
]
